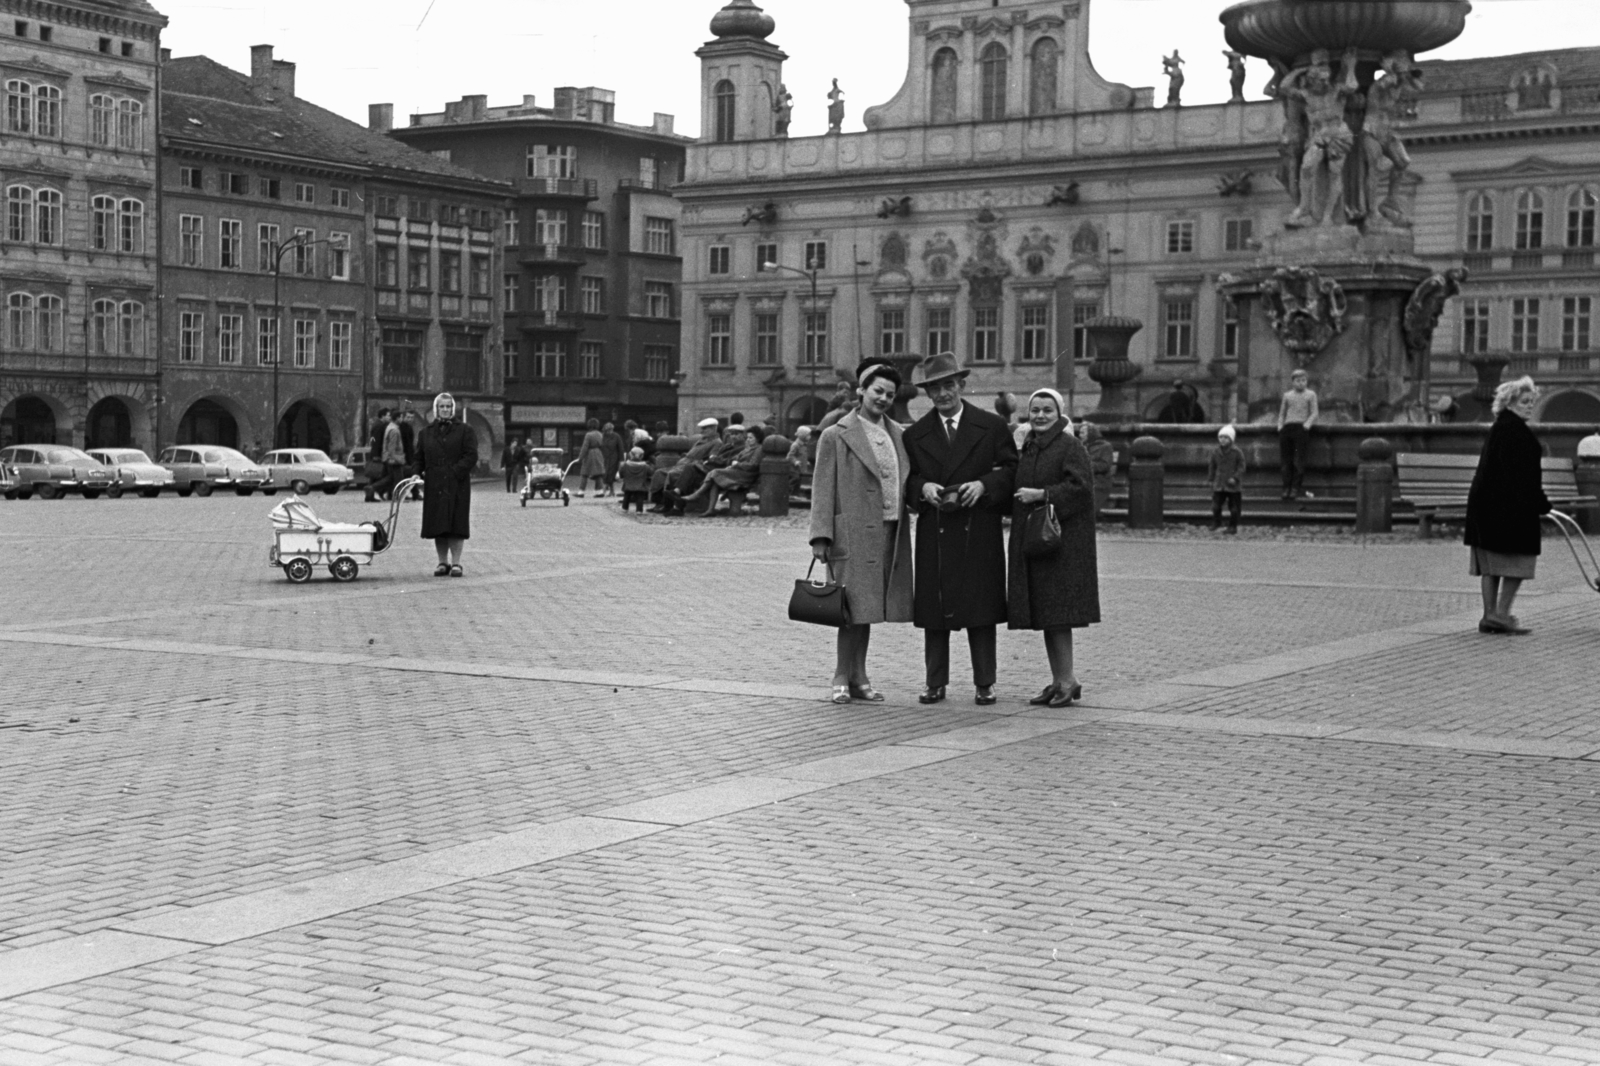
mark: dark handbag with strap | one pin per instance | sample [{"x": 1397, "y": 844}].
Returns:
[
  {"x": 819, "y": 603},
  {"x": 1041, "y": 532}
]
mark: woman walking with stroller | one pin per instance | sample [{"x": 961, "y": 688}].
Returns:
[
  {"x": 447, "y": 453},
  {"x": 592, "y": 459}
]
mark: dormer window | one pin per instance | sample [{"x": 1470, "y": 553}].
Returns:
[{"x": 1533, "y": 88}]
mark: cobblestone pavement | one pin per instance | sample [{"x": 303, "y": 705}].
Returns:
[{"x": 589, "y": 805}]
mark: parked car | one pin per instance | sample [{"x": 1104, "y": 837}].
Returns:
[
  {"x": 356, "y": 460},
  {"x": 52, "y": 470},
  {"x": 304, "y": 469},
  {"x": 200, "y": 468},
  {"x": 132, "y": 471}
]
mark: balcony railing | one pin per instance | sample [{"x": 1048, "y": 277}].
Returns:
[
  {"x": 577, "y": 188},
  {"x": 545, "y": 321},
  {"x": 1495, "y": 105},
  {"x": 563, "y": 254},
  {"x": 1578, "y": 257},
  {"x": 1575, "y": 363},
  {"x": 1527, "y": 260},
  {"x": 1478, "y": 262},
  {"x": 645, "y": 184}
]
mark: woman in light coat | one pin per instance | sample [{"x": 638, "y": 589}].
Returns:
[{"x": 859, "y": 526}]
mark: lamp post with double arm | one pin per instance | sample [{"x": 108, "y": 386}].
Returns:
[
  {"x": 298, "y": 241},
  {"x": 812, "y": 275}
]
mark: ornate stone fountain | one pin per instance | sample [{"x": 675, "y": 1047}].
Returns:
[{"x": 1338, "y": 289}]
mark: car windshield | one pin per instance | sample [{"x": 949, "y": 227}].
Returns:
[
  {"x": 126, "y": 455},
  {"x": 226, "y": 455},
  {"x": 311, "y": 455},
  {"x": 65, "y": 455}
]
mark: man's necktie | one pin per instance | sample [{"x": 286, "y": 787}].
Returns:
[{"x": 950, "y": 429}]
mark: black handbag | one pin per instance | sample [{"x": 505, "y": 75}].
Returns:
[
  {"x": 819, "y": 603},
  {"x": 1041, "y": 532}
]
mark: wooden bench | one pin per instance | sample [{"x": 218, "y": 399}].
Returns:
[{"x": 1436, "y": 486}]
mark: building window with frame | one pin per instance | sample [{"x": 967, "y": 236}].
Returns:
[
  {"x": 993, "y": 66},
  {"x": 389, "y": 266},
  {"x": 103, "y": 223},
  {"x": 266, "y": 247},
  {"x": 478, "y": 279},
  {"x": 1580, "y": 218},
  {"x": 130, "y": 327},
  {"x": 559, "y": 162},
  {"x": 191, "y": 336},
  {"x": 512, "y": 226},
  {"x": 594, "y": 230},
  {"x": 891, "y": 331},
  {"x": 463, "y": 361},
  {"x": 130, "y": 125},
  {"x": 1237, "y": 233},
  {"x": 130, "y": 226},
  {"x": 720, "y": 259},
  {"x": 658, "y": 299},
  {"x": 719, "y": 340},
  {"x": 1180, "y": 236},
  {"x": 450, "y": 272},
  {"x": 1525, "y": 325},
  {"x": 764, "y": 328},
  {"x": 1530, "y": 220},
  {"x": 305, "y": 343},
  {"x": 19, "y": 321},
  {"x": 510, "y": 291},
  {"x": 1230, "y": 329},
  {"x": 766, "y": 254},
  {"x": 191, "y": 238},
  {"x": 305, "y": 252},
  {"x": 386, "y": 206},
  {"x": 233, "y": 184},
  {"x": 401, "y": 358},
  {"x": 230, "y": 243},
  {"x": 1480, "y": 222},
  {"x": 1177, "y": 332},
  {"x": 659, "y": 236},
  {"x": 266, "y": 340},
  {"x": 52, "y": 321},
  {"x": 1082, "y": 312},
  {"x": 940, "y": 333},
  {"x": 551, "y": 226},
  {"x": 511, "y": 354},
  {"x": 103, "y": 327},
  {"x": 339, "y": 197},
  {"x": 549, "y": 359},
  {"x": 419, "y": 210},
  {"x": 658, "y": 362},
  {"x": 271, "y": 188},
  {"x": 1576, "y": 314},
  {"x": 19, "y": 106},
  {"x": 305, "y": 192},
  {"x": 340, "y": 344},
  {"x": 419, "y": 268},
  {"x": 985, "y": 335},
  {"x": 191, "y": 178},
  {"x": 1474, "y": 327},
  {"x": 19, "y": 214},
  {"x": 47, "y": 226},
  {"x": 590, "y": 360},
  {"x": 1035, "y": 333},
  {"x": 723, "y": 112},
  {"x": 593, "y": 293},
  {"x": 230, "y": 338},
  {"x": 814, "y": 339},
  {"x": 550, "y": 294},
  {"x": 339, "y": 256},
  {"x": 816, "y": 257},
  {"x": 102, "y": 120},
  {"x": 47, "y": 111}
]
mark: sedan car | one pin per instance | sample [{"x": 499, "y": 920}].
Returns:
[
  {"x": 52, "y": 470},
  {"x": 200, "y": 468},
  {"x": 304, "y": 469},
  {"x": 132, "y": 471}
]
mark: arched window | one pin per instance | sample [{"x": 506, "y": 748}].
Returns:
[
  {"x": 130, "y": 328},
  {"x": 103, "y": 225},
  {"x": 19, "y": 321},
  {"x": 1480, "y": 222},
  {"x": 722, "y": 105},
  {"x": 130, "y": 226},
  {"x": 51, "y": 333},
  {"x": 992, "y": 74},
  {"x": 47, "y": 221},
  {"x": 942, "y": 93},
  {"x": 19, "y": 106},
  {"x": 103, "y": 327},
  {"x": 19, "y": 213},
  {"x": 130, "y": 125},
  {"x": 1580, "y": 218},
  {"x": 47, "y": 111},
  {"x": 102, "y": 119},
  {"x": 1530, "y": 220},
  {"x": 1042, "y": 77}
]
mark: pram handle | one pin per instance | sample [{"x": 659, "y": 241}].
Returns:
[{"x": 1568, "y": 526}]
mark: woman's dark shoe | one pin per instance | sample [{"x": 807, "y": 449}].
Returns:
[
  {"x": 1505, "y": 625},
  {"x": 1063, "y": 698},
  {"x": 866, "y": 692},
  {"x": 442, "y": 570},
  {"x": 455, "y": 571},
  {"x": 1044, "y": 697},
  {"x": 985, "y": 696},
  {"x": 932, "y": 694}
]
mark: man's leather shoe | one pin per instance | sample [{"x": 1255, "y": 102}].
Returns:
[
  {"x": 932, "y": 695},
  {"x": 985, "y": 696}
]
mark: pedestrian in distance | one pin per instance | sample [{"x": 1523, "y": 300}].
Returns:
[
  {"x": 512, "y": 458},
  {"x": 375, "y": 472},
  {"x": 1056, "y": 591},
  {"x": 1225, "y": 475},
  {"x": 1297, "y": 413},
  {"x": 799, "y": 459},
  {"x": 635, "y": 474},
  {"x": 858, "y": 526},
  {"x": 1102, "y": 460},
  {"x": 394, "y": 455},
  {"x": 963, "y": 468},
  {"x": 447, "y": 453},
  {"x": 1504, "y": 506},
  {"x": 613, "y": 448},
  {"x": 592, "y": 459}
]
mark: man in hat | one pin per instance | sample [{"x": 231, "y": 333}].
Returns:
[
  {"x": 687, "y": 473},
  {"x": 963, "y": 465}
]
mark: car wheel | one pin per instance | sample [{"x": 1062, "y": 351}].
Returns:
[
  {"x": 243, "y": 492},
  {"x": 49, "y": 492},
  {"x": 344, "y": 568},
  {"x": 149, "y": 494},
  {"x": 10, "y": 495},
  {"x": 269, "y": 492},
  {"x": 297, "y": 570},
  {"x": 331, "y": 490},
  {"x": 300, "y": 487},
  {"x": 91, "y": 494},
  {"x": 202, "y": 488},
  {"x": 114, "y": 492},
  {"x": 185, "y": 493}
]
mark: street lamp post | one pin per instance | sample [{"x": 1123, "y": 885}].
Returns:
[
  {"x": 297, "y": 241},
  {"x": 812, "y": 274}
]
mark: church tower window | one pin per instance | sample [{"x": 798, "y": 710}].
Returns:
[
  {"x": 722, "y": 102},
  {"x": 1042, "y": 78},
  {"x": 993, "y": 72},
  {"x": 942, "y": 105}
]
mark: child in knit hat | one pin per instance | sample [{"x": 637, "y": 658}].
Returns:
[
  {"x": 1225, "y": 474},
  {"x": 635, "y": 474}
]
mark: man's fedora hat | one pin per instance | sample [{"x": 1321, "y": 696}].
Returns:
[{"x": 939, "y": 368}]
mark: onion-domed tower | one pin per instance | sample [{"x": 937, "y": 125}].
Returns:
[{"x": 741, "y": 74}]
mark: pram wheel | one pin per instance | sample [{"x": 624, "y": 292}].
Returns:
[
  {"x": 566, "y": 498},
  {"x": 297, "y": 570},
  {"x": 344, "y": 568},
  {"x": 524, "y": 501}
]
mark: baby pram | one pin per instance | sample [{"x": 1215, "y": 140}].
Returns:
[
  {"x": 545, "y": 477},
  {"x": 300, "y": 540},
  {"x": 1569, "y": 528}
]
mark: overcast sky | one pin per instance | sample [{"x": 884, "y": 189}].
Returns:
[{"x": 416, "y": 54}]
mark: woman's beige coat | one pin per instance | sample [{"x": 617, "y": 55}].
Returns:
[{"x": 847, "y": 509}]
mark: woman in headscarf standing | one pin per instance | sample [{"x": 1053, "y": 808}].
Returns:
[
  {"x": 1504, "y": 505},
  {"x": 592, "y": 459},
  {"x": 1059, "y": 591},
  {"x": 447, "y": 453}
]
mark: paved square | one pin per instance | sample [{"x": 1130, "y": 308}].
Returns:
[{"x": 589, "y": 805}]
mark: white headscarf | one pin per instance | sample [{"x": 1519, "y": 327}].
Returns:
[
  {"x": 1060, "y": 401},
  {"x": 443, "y": 396}
]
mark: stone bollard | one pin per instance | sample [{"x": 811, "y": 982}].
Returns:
[
  {"x": 1375, "y": 486},
  {"x": 775, "y": 475},
  {"x": 1146, "y": 484},
  {"x": 1587, "y": 472}
]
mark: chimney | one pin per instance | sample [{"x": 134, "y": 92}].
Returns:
[
  {"x": 166, "y": 55},
  {"x": 527, "y": 101},
  {"x": 268, "y": 76},
  {"x": 283, "y": 77},
  {"x": 380, "y": 117},
  {"x": 261, "y": 64},
  {"x": 474, "y": 107},
  {"x": 663, "y": 123}
]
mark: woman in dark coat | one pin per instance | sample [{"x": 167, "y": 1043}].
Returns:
[
  {"x": 612, "y": 447},
  {"x": 1504, "y": 505},
  {"x": 1060, "y": 591},
  {"x": 447, "y": 453},
  {"x": 592, "y": 459}
]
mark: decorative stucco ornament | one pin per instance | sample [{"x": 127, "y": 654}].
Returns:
[{"x": 1305, "y": 310}]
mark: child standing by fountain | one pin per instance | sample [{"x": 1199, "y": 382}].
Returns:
[
  {"x": 1296, "y": 415},
  {"x": 1226, "y": 476}
]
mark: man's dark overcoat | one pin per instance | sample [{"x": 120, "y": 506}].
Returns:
[
  {"x": 1061, "y": 589},
  {"x": 1507, "y": 495},
  {"x": 961, "y": 555},
  {"x": 447, "y": 453}
]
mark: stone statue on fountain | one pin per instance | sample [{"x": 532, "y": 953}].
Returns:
[
  {"x": 1328, "y": 139},
  {"x": 1391, "y": 100}
]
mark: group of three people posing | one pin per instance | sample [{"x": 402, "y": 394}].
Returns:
[{"x": 959, "y": 471}]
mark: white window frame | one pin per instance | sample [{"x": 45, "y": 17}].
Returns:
[
  {"x": 340, "y": 343},
  {"x": 719, "y": 339},
  {"x": 339, "y": 256},
  {"x": 1180, "y": 236},
  {"x": 268, "y": 340},
  {"x": 191, "y": 336},
  {"x": 230, "y": 339},
  {"x": 660, "y": 236},
  {"x": 230, "y": 244},
  {"x": 305, "y": 343},
  {"x": 191, "y": 240}
]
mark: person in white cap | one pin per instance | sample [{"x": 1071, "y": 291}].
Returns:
[
  {"x": 687, "y": 473},
  {"x": 1225, "y": 475}
]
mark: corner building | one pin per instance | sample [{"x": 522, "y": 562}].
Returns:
[
  {"x": 78, "y": 251},
  {"x": 592, "y": 281},
  {"x": 314, "y": 271},
  {"x": 1008, "y": 193}
]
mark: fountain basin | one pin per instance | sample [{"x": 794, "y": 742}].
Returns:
[{"x": 1290, "y": 30}]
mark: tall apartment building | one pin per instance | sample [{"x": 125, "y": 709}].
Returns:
[
  {"x": 592, "y": 274},
  {"x": 78, "y": 253},
  {"x": 313, "y": 270}
]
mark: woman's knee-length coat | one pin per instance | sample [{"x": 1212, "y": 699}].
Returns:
[
  {"x": 447, "y": 453},
  {"x": 1062, "y": 589},
  {"x": 1507, "y": 495},
  {"x": 847, "y": 509}
]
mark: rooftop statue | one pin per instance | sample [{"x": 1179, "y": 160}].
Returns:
[
  {"x": 835, "y": 108},
  {"x": 1235, "y": 74},
  {"x": 1172, "y": 67},
  {"x": 782, "y": 110}
]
